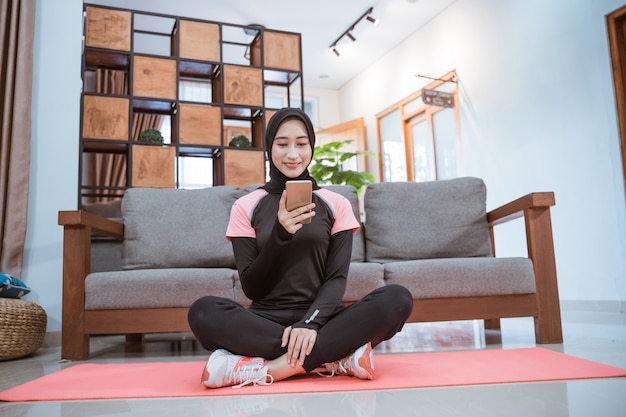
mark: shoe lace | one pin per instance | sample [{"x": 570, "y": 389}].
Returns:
[
  {"x": 340, "y": 367},
  {"x": 250, "y": 376}
]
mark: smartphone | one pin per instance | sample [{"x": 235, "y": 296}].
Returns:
[{"x": 299, "y": 193}]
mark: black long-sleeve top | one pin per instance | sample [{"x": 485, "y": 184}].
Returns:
[{"x": 306, "y": 270}]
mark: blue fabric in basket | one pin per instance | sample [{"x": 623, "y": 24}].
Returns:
[{"x": 12, "y": 287}]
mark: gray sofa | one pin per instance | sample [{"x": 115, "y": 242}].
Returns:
[{"x": 134, "y": 268}]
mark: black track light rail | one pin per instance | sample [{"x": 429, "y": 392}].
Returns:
[{"x": 348, "y": 32}]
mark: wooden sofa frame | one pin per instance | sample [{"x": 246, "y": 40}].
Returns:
[{"x": 79, "y": 324}]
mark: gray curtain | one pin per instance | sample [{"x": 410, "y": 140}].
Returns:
[{"x": 17, "y": 28}]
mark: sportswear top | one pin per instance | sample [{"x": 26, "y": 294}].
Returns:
[{"x": 306, "y": 270}]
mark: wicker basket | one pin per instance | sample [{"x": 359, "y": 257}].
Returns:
[{"x": 22, "y": 327}]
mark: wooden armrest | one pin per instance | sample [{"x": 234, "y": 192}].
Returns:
[
  {"x": 78, "y": 229},
  {"x": 535, "y": 208},
  {"x": 515, "y": 209},
  {"x": 98, "y": 224}
]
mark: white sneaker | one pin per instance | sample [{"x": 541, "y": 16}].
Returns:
[
  {"x": 227, "y": 369},
  {"x": 359, "y": 364}
]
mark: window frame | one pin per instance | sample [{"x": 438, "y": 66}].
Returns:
[{"x": 408, "y": 114}]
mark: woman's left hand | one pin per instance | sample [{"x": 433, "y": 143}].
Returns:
[{"x": 299, "y": 342}]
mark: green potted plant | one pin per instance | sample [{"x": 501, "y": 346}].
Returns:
[
  {"x": 327, "y": 166},
  {"x": 240, "y": 141},
  {"x": 151, "y": 136}
]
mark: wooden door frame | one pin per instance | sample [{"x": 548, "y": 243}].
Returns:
[
  {"x": 616, "y": 27},
  {"x": 423, "y": 116},
  {"x": 406, "y": 115}
]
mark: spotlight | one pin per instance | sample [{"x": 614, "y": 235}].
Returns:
[
  {"x": 373, "y": 20},
  {"x": 351, "y": 36},
  {"x": 334, "y": 48}
]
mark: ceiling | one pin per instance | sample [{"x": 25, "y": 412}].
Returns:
[{"x": 320, "y": 22}]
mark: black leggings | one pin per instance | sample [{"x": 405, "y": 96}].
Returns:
[{"x": 221, "y": 323}]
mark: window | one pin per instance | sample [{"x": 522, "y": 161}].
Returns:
[
  {"x": 392, "y": 147},
  {"x": 274, "y": 99},
  {"x": 195, "y": 172},
  {"x": 417, "y": 139}
]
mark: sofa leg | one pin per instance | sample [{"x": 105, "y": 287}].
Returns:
[
  {"x": 548, "y": 330},
  {"x": 74, "y": 347},
  {"x": 541, "y": 251},
  {"x": 492, "y": 324},
  {"x": 135, "y": 342}
]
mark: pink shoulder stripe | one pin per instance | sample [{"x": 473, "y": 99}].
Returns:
[
  {"x": 341, "y": 207},
  {"x": 240, "y": 224}
]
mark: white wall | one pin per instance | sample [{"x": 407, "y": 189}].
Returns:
[
  {"x": 538, "y": 114},
  {"x": 54, "y": 148},
  {"x": 327, "y": 106}
]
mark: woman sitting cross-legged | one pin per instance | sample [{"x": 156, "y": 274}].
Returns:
[{"x": 295, "y": 274}]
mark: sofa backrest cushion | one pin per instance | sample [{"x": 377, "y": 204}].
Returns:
[
  {"x": 358, "y": 243},
  {"x": 436, "y": 219},
  {"x": 171, "y": 228}
]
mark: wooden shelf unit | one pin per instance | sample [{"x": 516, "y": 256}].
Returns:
[{"x": 135, "y": 65}]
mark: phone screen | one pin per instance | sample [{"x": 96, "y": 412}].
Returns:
[{"x": 299, "y": 193}]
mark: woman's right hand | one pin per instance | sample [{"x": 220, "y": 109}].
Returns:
[
  {"x": 299, "y": 343},
  {"x": 292, "y": 220}
]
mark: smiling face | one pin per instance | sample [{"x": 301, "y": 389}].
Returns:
[{"x": 291, "y": 149}]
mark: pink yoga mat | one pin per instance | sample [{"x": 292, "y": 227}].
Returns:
[{"x": 393, "y": 371}]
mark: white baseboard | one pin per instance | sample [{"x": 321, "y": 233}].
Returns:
[{"x": 599, "y": 306}]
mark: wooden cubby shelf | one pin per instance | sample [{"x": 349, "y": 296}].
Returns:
[{"x": 208, "y": 80}]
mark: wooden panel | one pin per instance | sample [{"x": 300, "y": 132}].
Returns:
[
  {"x": 199, "y": 41},
  {"x": 243, "y": 167},
  {"x": 145, "y": 320},
  {"x": 105, "y": 117},
  {"x": 200, "y": 125},
  {"x": 258, "y": 133},
  {"x": 153, "y": 166},
  {"x": 469, "y": 308},
  {"x": 243, "y": 85},
  {"x": 154, "y": 77},
  {"x": 281, "y": 50},
  {"x": 268, "y": 115},
  {"x": 255, "y": 52},
  {"x": 108, "y": 29}
]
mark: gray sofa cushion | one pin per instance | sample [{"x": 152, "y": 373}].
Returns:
[
  {"x": 156, "y": 288},
  {"x": 358, "y": 242},
  {"x": 363, "y": 278},
  {"x": 106, "y": 255},
  {"x": 240, "y": 297},
  {"x": 174, "y": 228},
  {"x": 463, "y": 277},
  {"x": 437, "y": 219}
]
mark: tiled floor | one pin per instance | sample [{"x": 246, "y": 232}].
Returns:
[{"x": 596, "y": 336}]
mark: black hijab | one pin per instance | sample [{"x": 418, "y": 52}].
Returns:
[{"x": 276, "y": 184}]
